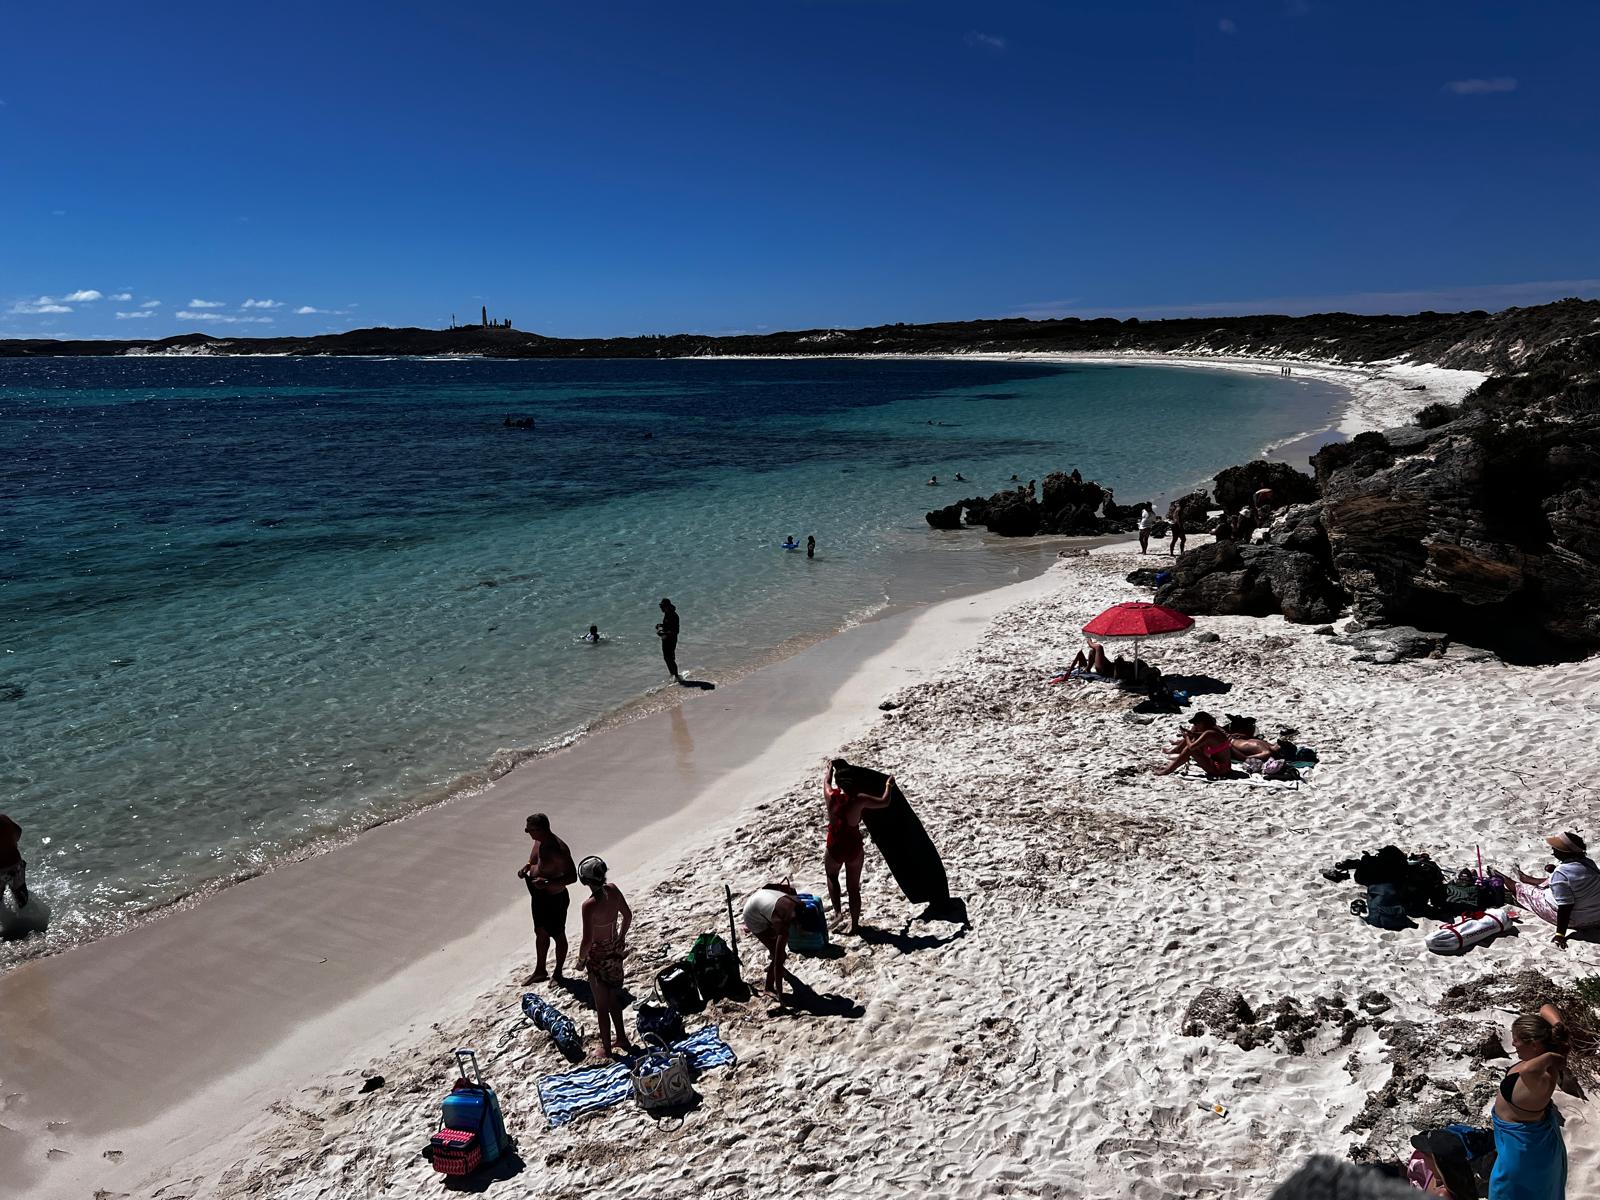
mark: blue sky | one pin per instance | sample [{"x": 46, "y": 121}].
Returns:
[{"x": 650, "y": 167}]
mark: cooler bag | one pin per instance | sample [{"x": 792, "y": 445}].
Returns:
[
  {"x": 809, "y": 934},
  {"x": 455, "y": 1152}
]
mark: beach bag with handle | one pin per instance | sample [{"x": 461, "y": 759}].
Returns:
[{"x": 661, "y": 1078}]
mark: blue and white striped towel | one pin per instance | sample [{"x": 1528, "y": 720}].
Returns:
[{"x": 589, "y": 1089}]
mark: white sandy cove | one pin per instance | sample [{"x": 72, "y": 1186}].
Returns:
[{"x": 1040, "y": 1052}]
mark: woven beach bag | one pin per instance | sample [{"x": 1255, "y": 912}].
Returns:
[{"x": 661, "y": 1078}]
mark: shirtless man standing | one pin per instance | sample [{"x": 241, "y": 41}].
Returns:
[
  {"x": 12, "y": 868},
  {"x": 846, "y": 847},
  {"x": 548, "y": 872}
]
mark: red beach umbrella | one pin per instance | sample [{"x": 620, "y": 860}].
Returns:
[{"x": 1139, "y": 621}]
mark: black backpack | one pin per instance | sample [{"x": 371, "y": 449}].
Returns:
[{"x": 678, "y": 988}]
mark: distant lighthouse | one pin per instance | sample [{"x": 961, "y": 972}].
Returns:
[{"x": 486, "y": 316}]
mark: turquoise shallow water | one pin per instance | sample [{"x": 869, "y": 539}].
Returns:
[{"x": 248, "y": 604}]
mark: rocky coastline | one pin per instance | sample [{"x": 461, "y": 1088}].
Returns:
[{"x": 1515, "y": 339}]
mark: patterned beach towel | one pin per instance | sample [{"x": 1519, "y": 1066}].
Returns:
[{"x": 589, "y": 1089}]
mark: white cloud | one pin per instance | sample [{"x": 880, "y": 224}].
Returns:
[
  {"x": 135, "y": 316},
  {"x": 83, "y": 296},
  {"x": 1226, "y": 25},
  {"x": 221, "y": 318},
  {"x": 1481, "y": 87},
  {"x": 306, "y": 310},
  {"x": 992, "y": 42},
  {"x": 151, "y": 304},
  {"x": 207, "y": 304},
  {"x": 262, "y": 304},
  {"x": 44, "y": 304},
  {"x": 120, "y": 296}
]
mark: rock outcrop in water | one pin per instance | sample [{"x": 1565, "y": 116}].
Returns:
[{"x": 1066, "y": 504}]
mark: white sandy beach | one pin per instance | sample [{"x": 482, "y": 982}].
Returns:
[{"x": 1039, "y": 1052}]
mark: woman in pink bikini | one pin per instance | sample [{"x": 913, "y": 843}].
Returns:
[
  {"x": 1205, "y": 744},
  {"x": 846, "y": 847}
]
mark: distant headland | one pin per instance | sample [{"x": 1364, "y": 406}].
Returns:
[{"x": 1495, "y": 342}]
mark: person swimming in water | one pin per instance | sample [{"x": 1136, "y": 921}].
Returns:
[
  {"x": 592, "y": 636},
  {"x": 789, "y": 543},
  {"x": 933, "y": 481}
]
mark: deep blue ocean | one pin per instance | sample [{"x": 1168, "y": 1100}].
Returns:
[{"x": 248, "y": 604}]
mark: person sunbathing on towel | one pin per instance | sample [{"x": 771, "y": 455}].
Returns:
[
  {"x": 1244, "y": 741},
  {"x": 1204, "y": 744},
  {"x": 845, "y": 846},
  {"x": 1570, "y": 897},
  {"x": 1094, "y": 661}
]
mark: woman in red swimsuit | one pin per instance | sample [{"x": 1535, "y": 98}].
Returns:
[{"x": 846, "y": 847}]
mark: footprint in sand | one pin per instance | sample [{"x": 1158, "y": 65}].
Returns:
[
  {"x": 112, "y": 1156},
  {"x": 56, "y": 1126},
  {"x": 55, "y": 1155}
]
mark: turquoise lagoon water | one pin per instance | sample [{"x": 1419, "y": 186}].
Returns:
[{"x": 247, "y": 605}]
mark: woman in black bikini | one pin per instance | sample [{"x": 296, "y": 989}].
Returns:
[{"x": 1531, "y": 1162}]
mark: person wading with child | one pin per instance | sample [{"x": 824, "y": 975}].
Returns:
[
  {"x": 606, "y": 918},
  {"x": 548, "y": 873}
]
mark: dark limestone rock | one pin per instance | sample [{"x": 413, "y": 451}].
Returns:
[
  {"x": 1391, "y": 643},
  {"x": 1144, "y": 577},
  {"x": 948, "y": 517},
  {"x": 1196, "y": 506},
  {"x": 1481, "y": 526},
  {"x": 1240, "y": 579},
  {"x": 1236, "y": 486}
]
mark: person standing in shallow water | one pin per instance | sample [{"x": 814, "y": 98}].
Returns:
[
  {"x": 548, "y": 873},
  {"x": 811, "y": 546},
  {"x": 606, "y": 918},
  {"x": 13, "y": 871},
  {"x": 667, "y": 631}
]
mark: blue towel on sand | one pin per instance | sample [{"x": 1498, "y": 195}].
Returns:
[{"x": 589, "y": 1089}]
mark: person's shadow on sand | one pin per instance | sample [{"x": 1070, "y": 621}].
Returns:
[
  {"x": 705, "y": 685},
  {"x": 907, "y": 942},
  {"x": 802, "y": 999}
]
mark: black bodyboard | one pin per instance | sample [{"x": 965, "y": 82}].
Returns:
[{"x": 898, "y": 833}]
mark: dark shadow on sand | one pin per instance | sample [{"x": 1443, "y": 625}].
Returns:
[
  {"x": 802, "y": 999},
  {"x": 508, "y": 1166},
  {"x": 705, "y": 685},
  {"x": 907, "y": 942},
  {"x": 1197, "y": 685}
]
